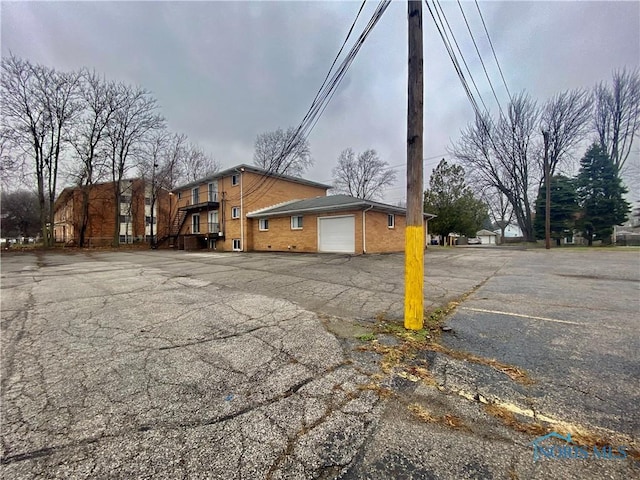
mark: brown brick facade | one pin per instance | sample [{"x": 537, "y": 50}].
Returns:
[{"x": 133, "y": 223}]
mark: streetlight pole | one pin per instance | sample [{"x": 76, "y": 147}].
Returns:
[{"x": 153, "y": 201}]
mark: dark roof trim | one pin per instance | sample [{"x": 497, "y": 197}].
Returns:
[
  {"x": 350, "y": 203},
  {"x": 252, "y": 169}
]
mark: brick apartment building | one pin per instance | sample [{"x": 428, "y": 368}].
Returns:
[
  {"x": 212, "y": 212},
  {"x": 245, "y": 209},
  {"x": 135, "y": 214}
]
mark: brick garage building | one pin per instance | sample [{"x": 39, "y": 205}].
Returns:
[
  {"x": 135, "y": 214},
  {"x": 337, "y": 223},
  {"x": 211, "y": 213}
]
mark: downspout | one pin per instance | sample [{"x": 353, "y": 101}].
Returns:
[
  {"x": 241, "y": 212},
  {"x": 364, "y": 229}
]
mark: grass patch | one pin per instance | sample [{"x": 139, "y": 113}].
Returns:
[
  {"x": 514, "y": 373},
  {"x": 447, "y": 420},
  {"x": 366, "y": 337}
]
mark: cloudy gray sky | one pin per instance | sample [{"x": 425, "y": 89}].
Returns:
[{"x": 224, "y": 72}]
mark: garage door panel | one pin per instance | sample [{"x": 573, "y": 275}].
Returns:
[{"x": 337, "y": 234}]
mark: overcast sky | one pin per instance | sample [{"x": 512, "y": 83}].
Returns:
[{"x": 224, "y": 72}]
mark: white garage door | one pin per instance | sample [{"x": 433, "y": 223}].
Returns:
[{"x": 337, "y": 234}]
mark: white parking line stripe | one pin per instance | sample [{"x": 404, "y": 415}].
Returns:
[{"x": 555, "y": 320}]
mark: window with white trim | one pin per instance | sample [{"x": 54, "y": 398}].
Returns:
[
  {"x": 236, "y": 245},
  {"x": 195, "y": 195},
  {"x": 391, "y": 220},
  {"x": 264, "y": 224},
  {"x": 213, "y": 192},
  {"x": 235, "y": 180},
  {"x": 296, "y": 222},
  {"x": 235, "y": 212},
  {"x": 195, "y": 223}
]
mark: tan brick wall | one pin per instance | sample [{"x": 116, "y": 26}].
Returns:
[
  {"x": 280, "y": 235},
  {"x": 381, "y": 238},
  {"x": 258, "y": 192}
]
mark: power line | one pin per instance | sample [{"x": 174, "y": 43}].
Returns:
[
  {"x": 437, "y": 6},
  {"x": 493, "y": 50},
  {"x": 454, "y": 61},
  {"x": 323, "y": 97},
  {"x": 480, "y": 56}
]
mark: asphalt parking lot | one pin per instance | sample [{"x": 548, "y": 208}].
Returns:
[{"x": 163, "y": 364}]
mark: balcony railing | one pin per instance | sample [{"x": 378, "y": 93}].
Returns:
[{"x": 189, "y": 205}]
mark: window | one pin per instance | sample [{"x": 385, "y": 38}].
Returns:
[
  {"x": 264, "y": 224},
  {"x": 147, "y": 200},
  {"x": 125, "y": 199},
  {"x": 236, "y": 245},
  {"x": 214, "y": 225},
  {"x": 296, "y": 223},
  {"x": 213, "y": 192},
  {"x": 195, "y": 223},
  {"x": 391, "y": 220},
  {"x": 125, "y": 218},
  {"x": 235, "y": 180},
  {"x": 195, "y": 196},
  {"x": 147, "y": 220},
  {"x": 235, "y": 212}
]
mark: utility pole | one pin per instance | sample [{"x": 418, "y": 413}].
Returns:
[
  {"x": 414, "y": 232},
  {"x": 547, "y": 186}
]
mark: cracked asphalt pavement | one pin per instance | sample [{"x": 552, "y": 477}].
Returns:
[{"x": 163, "y": 364}]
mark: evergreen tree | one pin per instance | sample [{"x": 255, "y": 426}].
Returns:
[
  {"x": 600, "y": 194},
  {"x": 453, "y": 202},
  {"x": 564, "y": 207}
]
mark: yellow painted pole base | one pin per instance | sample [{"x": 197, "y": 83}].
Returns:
[{"x": 414, "y": 278}]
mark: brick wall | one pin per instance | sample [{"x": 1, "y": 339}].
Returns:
[
  {"x": 381, "y": 238},
  {"x": 102, "y": 221},
  {"x": 258, "y": 192},
  {"x": 281, "y": 238}
]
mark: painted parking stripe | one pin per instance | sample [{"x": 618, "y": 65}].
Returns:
[{"x": 546, "y": 319}]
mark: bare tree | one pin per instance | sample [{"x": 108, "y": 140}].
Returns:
[
  {"x": 502, "y": 155},
  {"x": 134, "y": 119},
  {"x": 99, "y": 105},
  {"x": 617, "y": 114},
  {"x": 282, "y": 152},
  {"x": 500, "y": 210},
  {"x": 566, "y": 119},
  {"x": 364, "y": 176},
  {"x": 39, "y": 105},
  {"x": 197, "y": 164},
  {"x": 20, "y": 213},
  {"x": 12, "y": 161}
]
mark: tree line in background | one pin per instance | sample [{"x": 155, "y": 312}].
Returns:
[
  {"x": 80, "y": 128},
  {"x": 502, "y": 160}
]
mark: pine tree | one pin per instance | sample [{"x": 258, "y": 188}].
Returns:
[
  {"x": 600, "y": 194},
  {"x": 453, "y": 202},
  {"x": 564, "y": 207}
]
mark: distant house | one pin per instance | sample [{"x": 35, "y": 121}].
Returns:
[
  {"x": 510, "y": 231},
  {"x": 487, "y": 237}
]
